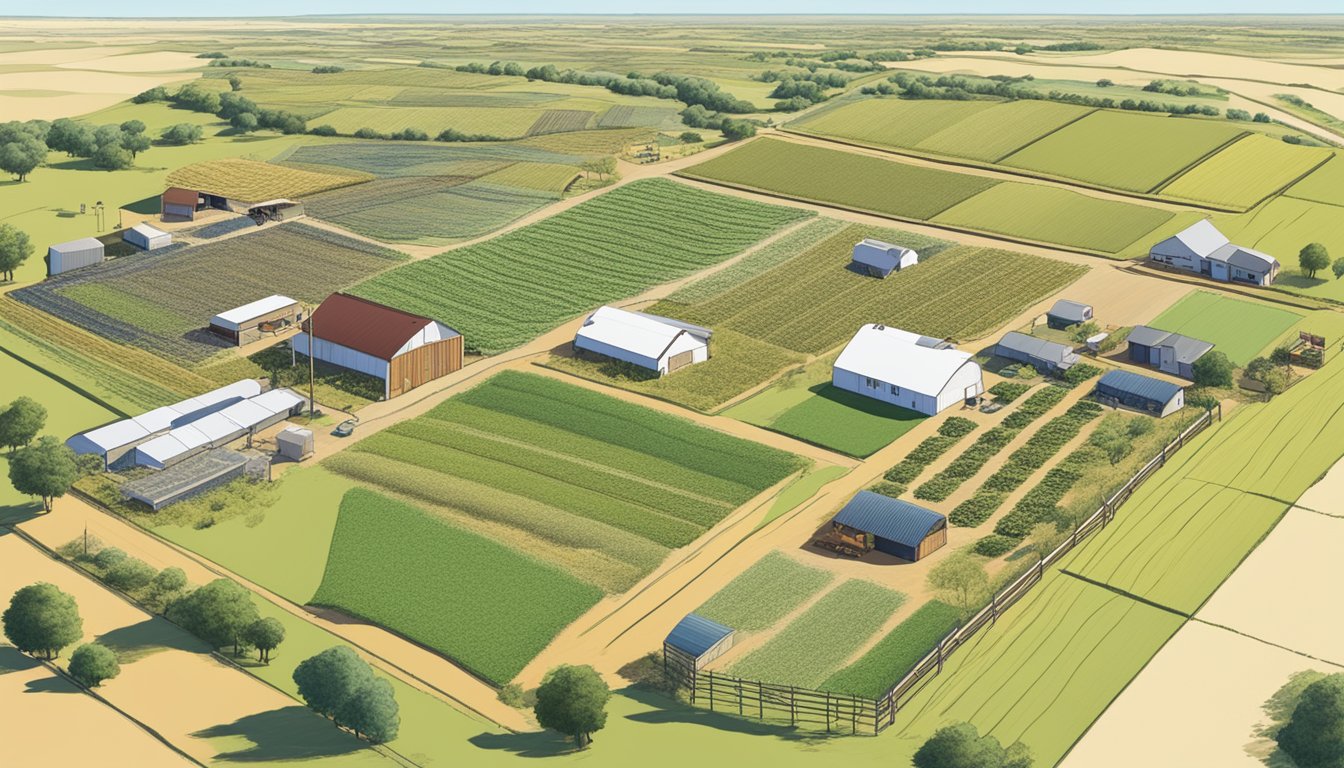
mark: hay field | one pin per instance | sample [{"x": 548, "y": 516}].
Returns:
[
  {"x": 254, "y": 182},
  {"x": 1240, "y": 329},
  {"x": 1248, "y": 171},
  {"x": 1324, "y": 185}
]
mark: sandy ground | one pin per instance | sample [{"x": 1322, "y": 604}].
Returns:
[
  {"x": 154, "y": 61},
  {"x": 1197, "y": 703},
  {"x": 80, "y": 91},
  {"x": 1202, "y": 64}
]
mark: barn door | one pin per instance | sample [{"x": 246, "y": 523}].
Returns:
[{"x": 680, "y": 360}]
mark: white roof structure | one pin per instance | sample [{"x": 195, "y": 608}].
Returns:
[
  {"x": 896, "y": 356},
  {"x": 122, "y": 433},
  {"x": 218, "y": 428},
  {"x": 1202, "y": 237},
  {"x": 73, "y": 246},
  {"x": 234, "y": 318},
  {"x": 641, "y": 334},
  {"x": 147, "y": 231}
]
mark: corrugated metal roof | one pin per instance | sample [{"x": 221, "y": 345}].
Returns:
[
  {"x": 75, "y": 246},
  {"x": 641, "y": 335},
  {"x": 1117, "y": 383},
  {"x": 891, "y": 519},
  {"x": 695, "y": 635},
  {"x": 181, "y": 196},
  {"x": 235, "y": 317},
  {"x": 127, "y": 431},
  {"x": 879, "y": 253},
  {"x": 908, "y": 360},
  {"x": 1037, "y": 348},
  {"x": 1146, "y": 336},
  {"x": 1186, "y": 349},
  {"x": 364, "y": 326},
  {"x": 1201, "y": 237},
  {"x": 1072, "y": 311},
  {"x": 695, "y": 330},
  {"x": 147, "y": 231},
  {"x": 1245, "y": 258}
]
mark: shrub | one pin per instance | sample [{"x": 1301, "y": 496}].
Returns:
[
  {"x": 107, "y": 558},
  {"x": 956, "y": 426},
  {"x": 1080, "y": 373},
  {"x": 1007, "y": 391},
  {"x": 92, "y": 663},
  {"x": 1213, "y": 369},
  {"x": 323, "y": 130},
  {"x": 129, "y": 575},
  {"x": 976, "y": 510},
  {"x": 887, "y": 488},
  {"x": 995, "y": 545}
]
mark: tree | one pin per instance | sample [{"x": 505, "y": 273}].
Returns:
[
  {"x": 132, "y": 126},
  {"x": 329, "y": 679},
  {"x": 235, "y": 83},
  {"x": 690, "y": 137},
  {"x": 1314, "y": 735},
  {"x": 1313, "y": 258},
  {"x": 217, "y": 613},
  {"x": 182, "y": 133},
  {"x": 265, "y": 635},
  {"x": 92, "y": 663},
  {"x": 21, "y": 155},
  {"x": 1213, "y": 370},
  {"x": 109, "y": 558},
  {"x": 167, "y": 586},
  {"x": 42, "y": 619},
  {"x": 20, "y": 422},
  {"x": 961, "y": 581},
  {"x": 962, "y": 746},
  {"x": 15, "y": 248},
  {"x": 573, "y": 701},
  {"x": 244, "y": 122},
  {"x": 111, "y": 157},
  {"x": 734, "y": 130},
  {"x": 129, "y": 574},
  {"x": 136, "y": 142},
  {"x": 45, "y": 469},
  {"x": 1338, "y": 267},
  {"x": 371, "y": 711},
  {"x": 1046, "y": 538},
  {"x": 1105, "y": 83}
]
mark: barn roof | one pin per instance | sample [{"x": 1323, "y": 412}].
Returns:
[
  {"x": 892, "y": 519},
  {"x": 181, "y": 196},
  {"x": 75, "y": 246},
  {"x": 147, "y": 231},
  {"x": 1119, "y": 382},
  {"x": 1073, "y": 311},
  {"x": 1245, "y": 258},
  {"x": 644, "y": 335},
  {"x": 1186, "y": 348},
  {"x": 365, "y": 326},
  {"x": 1201, "y": 237},
  {"x": 234, "y": 318},
  {"x": 1038, "y": 348},
  {"x": 908, "y": 360},
  {"x": 879, "y": 253},
  {"x": 695, "y": 635}
]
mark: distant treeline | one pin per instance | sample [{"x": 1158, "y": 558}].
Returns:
[
  {"x": 954, "y": 88},
  {"x": 661, "y": 85}
]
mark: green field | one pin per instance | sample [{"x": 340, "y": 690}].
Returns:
[
  {"x": 1239, "y": 329},
  {"x": 1053, "y": 215},
  {"x": 995, "y": 133},
  {"x": 562, "y": 473},
  {"x": 823, "y": 637},
  {"x": 508, "y": 290},
  {"x": 765, "y": 593},
  {"x": 876, "y": 671},
  {"x": 1242, "y": 175},
  {"x": 831, "y": 418},
  {"x": 1324, "y": 185},
  {"x": 1282, "y": 228},
  {"x": 1124, "y": 150},
  {"x": 760, "y": 261},
  {"x": 477, "y": 600}
]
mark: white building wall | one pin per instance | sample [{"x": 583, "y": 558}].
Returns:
[
  {"x": 431, "y": 333},
  {"x": 1174, "y": 404},
  {"x": 618, "y": 353},
  {"x": 345, "y": 357},
  {"x": 966, "y": 382},
  {"x": 684, "y": 343}
]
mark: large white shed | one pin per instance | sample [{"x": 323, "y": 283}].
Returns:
[
  {"x": 238, "y": 420},
  {"x": 84, "y": 252},
  {"x": 917, "y": 372},
  {"x": 880, "y": 258},
  {"x": 146, "y": 237},
  {"x": 648, "y": 341}
]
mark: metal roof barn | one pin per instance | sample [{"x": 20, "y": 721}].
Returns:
[
  {"x": 901, "y": 529},
  {"x": 1065, "y": 313},
  {"x": 879, "y": 258},
  {"x": 251, "y": 321},
  {"x": 1170, "y": 352},
  {"x": 76, "y": 254},
  {"x": 242, "y": 419},
  {"x": 146, "y": 237},
  {"x": 1201, "y": 248},
  {"x": 648, "y": 341},
  {"x": 1141, "y": 393},
  {"x": 1045, "y": 356},
  {"x": 905, "y": 369},
  {"x": 695, "y": 642}
]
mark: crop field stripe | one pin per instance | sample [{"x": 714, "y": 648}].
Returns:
[
  {"x": 765, "y": 593},
  {"x": 1206, "y": 156},
  {"x": 1043, "y": 136}
]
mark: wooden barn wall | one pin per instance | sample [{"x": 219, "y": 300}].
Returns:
[{"x": 424, "y": 364}]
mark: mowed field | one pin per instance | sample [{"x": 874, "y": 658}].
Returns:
[
  {"x": 1240, "y": 329},
  {"x": 163, "y": 301},
  {"x": 1245, "y": 173},
  {"x": 599, "y": 489},
  {"x": 254, "y": 181},
  {"x": 505, "y": 291},
  {"x": 1016, "y": 210}
]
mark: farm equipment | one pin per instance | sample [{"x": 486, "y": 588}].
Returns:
[{"x": 843, "y": 540}]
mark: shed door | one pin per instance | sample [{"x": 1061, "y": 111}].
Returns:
[
  {"x": 1168, "y": 360},
  {"x": 680, "y": 360}
]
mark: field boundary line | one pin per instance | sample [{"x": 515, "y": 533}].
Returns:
[
  {"x": 996, "y": 161},
  {"x": 82, "y": 392},
  {"x": 1125, "y": 593},
  {"x": 1163, "y": 184},
  {"x": 1263, "y": 641}
]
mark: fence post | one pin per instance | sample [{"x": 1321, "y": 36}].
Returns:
[
  {"x": 711, "y": 691},
  {"x": 793, "y": 706},
  {"x": 739, "y": 696},
  {"x": 760, "y": 698}
]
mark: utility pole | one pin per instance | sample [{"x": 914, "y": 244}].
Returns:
[{"x": 312, "y": 343}]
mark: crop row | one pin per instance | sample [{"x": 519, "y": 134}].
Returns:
[
  {"x": 927, "y": 452},
  {"x": 765, "y": 593},
  {"x": 385, "y": 159},
  {"x": 760, "y": 261},
  {"x": 1041, "y": 502},
  {"x": 560, "y": 121},
  {"x": 886, "y": 663}
]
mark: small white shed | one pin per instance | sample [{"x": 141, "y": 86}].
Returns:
[
  {"x": 84, "y": 252},
  {"x": 147, "y": 238},
  {"x": 879, "y": 258},
  {"x": 648, "y": 341}
]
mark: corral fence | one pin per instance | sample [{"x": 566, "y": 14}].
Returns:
[{"x": 855, "y": 714}]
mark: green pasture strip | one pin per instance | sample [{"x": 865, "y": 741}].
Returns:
[
  {"x": 1239, "y": 329},
  {"x": 1323, "y": 185},
  {"x": 765, "y": 593},
  {"x": 891, "y": 122},
  {"x": 844, "y": 421},
  {"x": 995, "y": 133},
  {"x": 884, "y": 664},
  {"x": 759, "y": 261}
]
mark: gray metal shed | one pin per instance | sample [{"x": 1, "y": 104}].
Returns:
[
  {"x": 84, "y": 252},
  {"x": 1044, "y": 356},
  {"x": 1066, "y": 313},
  {"x": 1170, "y": 352},
  {"x": 695, "y": 642}
]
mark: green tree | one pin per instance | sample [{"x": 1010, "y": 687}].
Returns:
[
  {"x": 329, "y": 679},
  {"x": 129, "y": 575},
  {"x": 111, "y": 157},
  {"x": 1338, "y": 267},
  {"x": 132, "y": 127},
  {"x": 962, "y": 746},
  {"x": 244, "y": 122},
  {"x": 92, "y": 663},
  {"x": 733, "y": 130},
  {"x": 15, "y": 248},
  {"x": 20, "y": 422},
  {"x": 217, "y": 613},
  {"x": 182, "y": 133},
  {"x": 42, "y": 619},
  {"x": 45, "y": 469},
  {"x": 1313, "y": 258},
  {"x": 1314, "y": 734},
  {"x": 265, "y": 635},
  {"x": 371, "y": 711},
  {"x": 135, "y": 143},
  {"x": 573, "y": 701},
  {"x": 108, "y": 558},
  {"x": 167, "y": 587},
  {"x": 690, "y": 137},
  {"x": 235, "y": 83},
  {"x": 1213, "y": 370},
  {"x": 1046, "y": 538},
  {"x": 21, "y": 155},
  {"x": 961, "y": 581}
]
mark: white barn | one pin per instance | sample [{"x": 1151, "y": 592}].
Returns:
[
  {"x": 84, "y": 252},
  {"x": 648, "y": 341},
  {"x": 146, "y": 237},
  {"x": 1202, "y": 249},
  {"x": 879, "y": 258},
  {"x": 241, "y": 419},
  {"x": 905, "y": 369}
]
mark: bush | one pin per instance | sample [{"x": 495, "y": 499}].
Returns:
[
  {"x": 367, "y": 133},
  {"x": 1080, "y": 373},
  {"x": 690, "y": 137},
  {"x": 995, "y": 545},
  {"x": 109, "y": 558},
  {"x": 1213, "y": 370},
  {"x": 887, "y": 488},
  {"x": 976, "y": 510},
  {"x": 1007, "y": 391},
  {"x": 327, "y": 69},
  {"x": 323, "y": 130},
  {"x": 956, "y": 426},
  {"x": 92, "y": 663},
  {"x": 1314, "y": 735},
  {"x": 129, "y": 575}
]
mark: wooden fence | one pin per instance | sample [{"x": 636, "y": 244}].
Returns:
[{"x": 838, "y": 712}]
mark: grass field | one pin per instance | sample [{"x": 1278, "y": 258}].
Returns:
[
  {"x": 163, "y": 301},
  {"x": 253, "y": 181},
  {"x": 1240, "y": 329},
  {"x": 765, "y": 593},
  {"x": 761, "y": 260},
  {"x": 876, "y": 671},
  {"x": 501, "y": 293},
  {"x": 566, "y": 467},
  {"x": 503, "y": 122},
  {"x": 832, "y": 418},
  {"x": 1281, "y": 228},
  {"x": 1324, "y": 185},
  {"x": 807, "y": 650},
  {"x": 1124, "y": 150},
  {"x": 995, "y": 133},
  {"x": 489, "y": 607},
  {"x": 1247, "y": 172},
  {"x": 1053, "y": 215}
]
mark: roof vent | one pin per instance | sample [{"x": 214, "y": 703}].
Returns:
[{"x": 881, "y": 327}]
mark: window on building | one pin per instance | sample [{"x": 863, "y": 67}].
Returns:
[
  {"x": 872, "y": 383},
  {"x": 895, "y": 390}
]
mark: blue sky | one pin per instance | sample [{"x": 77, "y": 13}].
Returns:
[{"x": 238, "y": 8}]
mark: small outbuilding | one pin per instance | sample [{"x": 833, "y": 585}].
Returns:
[
  {"x": 648, "y": 341},
  {"x": 180, "y": 203},
  {"x": 1125, "y": 389},
  {"x": 252, "y": 321},
  {"x": 1047, "y": 357},
  {"x": 896, "y": 527},
  {"x": 905, "y": 369},
  {"x": 1066, "y": 314},
  {"x": 695, "y": 642},
  {"x": 76, "y": 254},
  {"x": 1169, "y": 352},
  {"x": 146, "y": 238},
  {"x": 879, "y": 258},
  {"x": 402, "y": 349},
  {"x": 294, "y": 443}
]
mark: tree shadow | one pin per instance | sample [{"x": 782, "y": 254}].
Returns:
[
  {"x": 665, "y": 710},
  {"x": 147, "y": 206},
  {"x": 288, "y": 733},
  {"x": 1299, "y": 280},
  {"x": 13, "y": 514},
  {"x": 52, "y": 683},
  {"x": 147, "y": 638},
  {"x": 12, "y": 660},
  {"x": 531, "y": 744},
  {"x": 868, "y": 405}
]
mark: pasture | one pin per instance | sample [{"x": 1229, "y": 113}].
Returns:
[
  {"x": 505, "y": 291},
  {"x": 254, "y": 181},
  {"x": 162, "y": 301},
  {"x": 875, "y": 672},
  {"x": 1124, "y": 150},
  {"x": 1281, "y": 228},
  {"x": 501, "y": 122},
  {"x": 832, "y": 418},
  {"x": 765, "y": 593},
  {"x": 1324, "y": 185},
  {"x": 1245, "y": 173},
  {"x": 477, "y": 600},
  {"x": 1240, "y": 329},
  {"x": 599, "y": 487}
]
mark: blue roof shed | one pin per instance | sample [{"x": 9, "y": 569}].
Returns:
[
  {"x": 696, "y": 641},
  {"x": 899, "y": 528},
  {"x": 1140, "y": 392}
]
